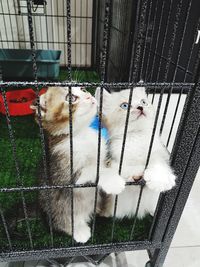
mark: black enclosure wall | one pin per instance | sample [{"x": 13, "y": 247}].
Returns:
[{"x": 164, "y": 36}]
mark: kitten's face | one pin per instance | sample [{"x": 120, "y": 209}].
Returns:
[
  {"x": 115, "y": 108},
  {"x": 55, "y": 109}
]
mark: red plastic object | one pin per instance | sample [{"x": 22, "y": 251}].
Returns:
[{"x": 19, "y": 102}]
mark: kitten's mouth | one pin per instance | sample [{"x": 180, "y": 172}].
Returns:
[{"x": 141, "y": 114}]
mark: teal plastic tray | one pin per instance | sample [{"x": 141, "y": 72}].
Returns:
[{"x": 17, "y": 63}]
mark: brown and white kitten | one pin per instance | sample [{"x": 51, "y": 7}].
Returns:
[{"x": 55, "y": 121}]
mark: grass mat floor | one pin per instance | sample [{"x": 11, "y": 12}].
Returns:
[{"x": 29, "y": 154}]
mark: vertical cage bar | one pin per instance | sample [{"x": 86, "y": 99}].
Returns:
[
  {"x": 19, "y": 178},
  {"x": 165, "y": 39},
  {"x": 136, "y": 212},
  {"x": 104, "y": 60},
  {"x": 148, "y": 158},
  {"x": 180, "y": 156},
  {"x": 137, "y": 30},
  {"x": 145, "y": 41},
  {"x": 44, "y": 156},
  {"x": 140, "y": 39},
  {"x": 175, "y": 200},
  {"x": 151, "y": 43},
  {"x": 4, "y": 22},
  {"x": 69, "y": 59},
  {"x": 175, "y": 72},
  {"x": 121, "y": 159},
  {"x": 157, "y": 40},
  {"x": 6, "y": 228},
  {"x": 11, "y": 26}
]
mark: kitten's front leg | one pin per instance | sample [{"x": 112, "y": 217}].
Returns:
[
  {"x": 82, "y": 232},
  {"x": 159, "y": 176},
  {"x": 129, "y": 172},
  {"x": 110, "y": 181}
]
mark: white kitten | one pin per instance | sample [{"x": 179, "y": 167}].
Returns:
[{"x": 159, "y": 176}]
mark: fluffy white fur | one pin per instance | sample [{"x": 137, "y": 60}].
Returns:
[{"x": 159, "y": 176}]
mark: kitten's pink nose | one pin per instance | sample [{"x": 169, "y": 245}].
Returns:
[{"x": 140, "y": 108}]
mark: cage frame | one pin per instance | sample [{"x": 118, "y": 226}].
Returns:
[{"x": 185, "y": 159}]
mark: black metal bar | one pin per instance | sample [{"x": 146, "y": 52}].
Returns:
[
  {"x": 86, "y": 32},
  {"x": 11, "y": 26},
  {"x": 153, "y": 30},
  {"x": 80, "y": 23},
  {"x": 94, "y": 34},
  {"x": 77, "y": 251},
  {"x": 140, "y": 39},
  {"x": 19, "y": 179},
  {"x": 6, "y": 228},
  {"x": 165, "y": 38},
  {"x": 46, "y": 24},
  {"x": 69, "y": 58},
  {"x": 181, "y": 155},
  {"x": 52, "y": 23},
  {"x": 44, "y": 156},
  {"x": 4, "y": 23},
  {"x": 47, "y": 187},
  {"x": 94, "y": 84},
  {"x": 121, "y": 159},
  {"x": 75, "y": 34},
  {"x": 145, "y": 41},
  {"x": 180, "y": 94},
  {"x": 98, "y": 162},
  {"x": 58, "y": 24},
  {"x": 44, "y": 42},
  {"x": 170, "y": 61},
  {"x": 175, "y": 72},
  {"x": 182, "y": 195},
  {"x": 154, "y": 127},
  {"x": 42, "y": 15},
  {"x": 157, "y": 39},
  {"x": 103, "y": 78},
  {"x": 136, "y": 212},
  {"x": 64, "y": 23}
]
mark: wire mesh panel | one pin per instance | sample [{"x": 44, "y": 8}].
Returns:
[
  {"x": 49, "y": 24},
  {"x": 167, "y": 34},
  {"x": 127, "y": 52}
]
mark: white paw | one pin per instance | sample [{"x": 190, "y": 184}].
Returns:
[
  {"x": 82, "y": 234},
  {"x": 159, "y": 179},
  {"x": 113, "y": 185}
]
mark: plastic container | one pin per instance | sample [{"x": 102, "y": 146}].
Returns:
[
  {"x": 17, "y": 64},
  {"x": 19, "y": 102}
]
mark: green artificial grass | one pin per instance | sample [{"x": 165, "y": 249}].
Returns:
[{"x": 29, "y": 154}]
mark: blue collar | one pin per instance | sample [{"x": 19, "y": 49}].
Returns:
[{"x": 95, "y": 125}]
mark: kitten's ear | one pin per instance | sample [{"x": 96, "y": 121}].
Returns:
[
  {"x": 98, "y": 93},
  {"x": 34, "y": 105},
  {"x": 42, "y": 103},
  {"x": 141, "y": 91}
]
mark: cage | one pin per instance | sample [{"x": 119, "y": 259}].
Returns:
[{"x": 111, "y": 44}]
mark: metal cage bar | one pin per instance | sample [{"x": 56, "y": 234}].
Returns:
[{"x": 44, "y": 155}]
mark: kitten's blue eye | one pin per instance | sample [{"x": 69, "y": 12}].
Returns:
[{"x": 124, "y": 105}]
